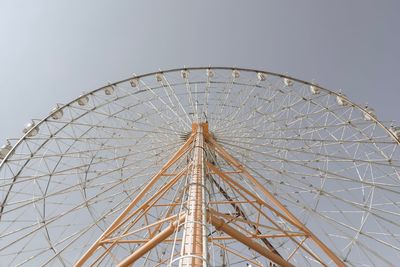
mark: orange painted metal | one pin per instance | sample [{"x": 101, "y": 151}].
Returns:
[
  {"x": 220, "y": 225},
  {"x": 151, "y": 243},
  {"x": 194, "y": 242},
  {"x": 193, "y": 221}
]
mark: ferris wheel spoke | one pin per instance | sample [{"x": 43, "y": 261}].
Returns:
[
  {"x": 356, "y": 230},
  {"x": 72, "y": 168},
  {"x": 206, "y": 96},
  {"x": 90, "y": 151},
  {"x": 42, "y": 225},
  {"x": 177, "y": 117},
  {"x": 79, "y": 234},
  {"x": 319, "y": 157},
  {"x": 73, "y": 188},
  {"x": 298, "y": 163},
  {"x": 333, "y": 223},
  {"x": 246, "y": 93},
  {"x": 352, "y": 203},
  {"x": 138, "y": 100},
  {"x": 178, "y": 100}
]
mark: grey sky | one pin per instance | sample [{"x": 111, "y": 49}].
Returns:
[{"x": 51, "y": 51}]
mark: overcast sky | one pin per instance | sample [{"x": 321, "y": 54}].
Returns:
[{"x": 51, "y": 51}]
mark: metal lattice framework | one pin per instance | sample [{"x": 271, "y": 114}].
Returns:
[{"x": 203, "y": 167}]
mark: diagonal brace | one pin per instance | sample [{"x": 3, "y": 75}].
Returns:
[{"x": 220, "y": 225}]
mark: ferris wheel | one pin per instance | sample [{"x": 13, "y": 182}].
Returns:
[{"x": 203, "y": 167}]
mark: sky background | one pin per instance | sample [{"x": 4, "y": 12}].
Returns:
[{"x": 51, "y": 51}]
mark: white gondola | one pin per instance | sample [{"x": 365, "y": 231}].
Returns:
[
  {"x": 261, "y": 76},
  {"x": 5, "y": 149},
  {"x": 31, "y": 128},
  {"x": 315, "y": 89},
  {"x": 396, "y": 131},
  {"x": 109, "y": 90},
  {"x": 341, "y": 99},
  {"x": 235, "y": 74},
  {"x": 83, "y": 100},
  {"x": 210, "y": 73},
  {"x": 369, "y": 114},
  {"x": 56, "y": 112},
  {"x": 134, "y": 82},
  {"x": 287, "y": 81},
  {"x": 159, "y": 77},
  {"x": 184, "y": 74}
]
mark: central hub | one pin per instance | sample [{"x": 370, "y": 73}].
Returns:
[{"x": 196, "y": 125}]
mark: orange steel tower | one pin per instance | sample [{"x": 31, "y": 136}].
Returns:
[{"x": 199, "y": 217}]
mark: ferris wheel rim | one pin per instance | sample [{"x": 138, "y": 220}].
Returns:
[{"x": 275, "y": 74}]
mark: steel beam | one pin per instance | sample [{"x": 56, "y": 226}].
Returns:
[
  {"x": 220, "y": 225},
  {"x": 141, "y": 251},
  {"x": 194, "y": 247}
]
